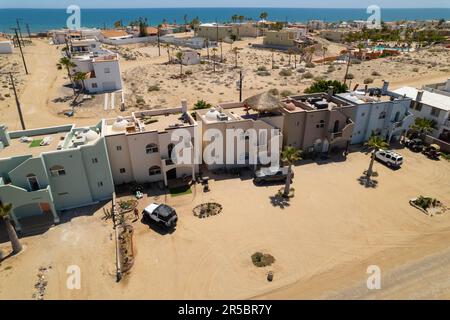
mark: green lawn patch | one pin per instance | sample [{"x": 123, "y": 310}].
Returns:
[
  {"x": 179, "y": 191},
  {"x": 36, "y": 143}
]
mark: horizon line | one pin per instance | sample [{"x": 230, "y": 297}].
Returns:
[{"x": 224, "y": 7}]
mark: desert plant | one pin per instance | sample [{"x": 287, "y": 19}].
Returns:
[
  {"x": 349, "y": 76},
  {"x": 202, "y": 104},
  {"x": 285, "y": 73},
  {"x": 154, "y": 87},
  {"x": 274, "y": 92},
  {"x": 5, "y": 214},
  {"x": 290, "y": 155},
  {"x": 368, "y": 81},
  {"x": 324, "y": 85},
  {"x": 310, "y": 65},
  {"x": 260, "y": 259},
  {"x": 308, "y": 75},
  {"x": 285, "y": 93},
  {"x": 374, "y": 143},
  {"x": 375, "y": 73}
]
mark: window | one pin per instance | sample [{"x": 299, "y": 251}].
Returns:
[
  {"x": 56, "y": 171},
  {"x": 321, "y": 124},
  {"x": 33, "y": 182},
  {"x": 154, "y": 171},
  {"x": 119, "y": 148},
  {"x": 107, "y": 70},
  {"x": 435, "y": 112},
  {"x": 94, "y": 160},
  {"x": 100, "y": 184},
  {"x": 94, "y": 85},
  {"x": 418, "y": 106},
  {"x": 151, "y": 148},
  {"x": 62, "y": 193},
  {"x": 122, "y": 170},
  {"x": 382, "y": 115}
]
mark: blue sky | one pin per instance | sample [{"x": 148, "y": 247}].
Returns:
[{"x": 224, "y": 3}]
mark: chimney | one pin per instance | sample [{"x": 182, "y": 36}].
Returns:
[
  {"x": 184, "y": 106},
  {"x": 447, "y": 85},
  {"x": 419, "y": 95},
  {"x": 4, "y": 136},
  {"x": 385, "y": 87},
  {"x": 330, "y": 91}
]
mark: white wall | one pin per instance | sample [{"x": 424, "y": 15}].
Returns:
[{"x": 6, "y": 47}]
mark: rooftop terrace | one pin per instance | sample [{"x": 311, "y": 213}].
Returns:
[{"x": 314, "y": 102}]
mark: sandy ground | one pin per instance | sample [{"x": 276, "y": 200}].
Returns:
[
  {"x": 323, "y": 240},
  {"x": 45, "y": 83}
]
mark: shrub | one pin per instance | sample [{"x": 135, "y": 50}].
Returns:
[
  {"x": 260, "y": 259},
  {"x": 274, "y": 92},
  {"x": 301, "y": 70},
  {"x": 202, "y": 104},
  {"x": 308, "y": 75},
  {"x": 285, "y": 93},
  {"x": 350, "y": 76},
  {"x": 331, "y": 69},
  {"x": 154, "y": 87},
  {"x": 188, "y": 72},
  {"x": 368, "y": 80},
  {"x": 263, "y": 73},
  {"x": 310, "y": 65},
  {"x": 285, "y": 73},
  {"x": 261, "y": 68},
  {"x": 375, "y": 73},
  {"x": 323, "y": 85},
  {"x": 415, "y": 69}
]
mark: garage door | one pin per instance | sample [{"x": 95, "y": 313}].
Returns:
[{"x": 109, "y": 86}]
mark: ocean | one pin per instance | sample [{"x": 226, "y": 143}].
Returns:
[{"x": 46, "y": 19}]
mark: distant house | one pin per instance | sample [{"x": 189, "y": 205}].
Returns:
[
  {"x": 113, "y": 34},
  {"x": 224, "y": 32},
  {"x": 6, "y": 46},
  {"x": 101, "y": 66},
  {"x": 336, "y": 35},
  {"x": 62, "y": 35},
  {"x": 432, "y": 106},
  {"x": 47, "y": 170},
  {"x": 286, "y": 38}
]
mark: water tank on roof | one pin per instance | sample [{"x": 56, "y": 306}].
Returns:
[
  {"x": 120, "y": 124},
  {"x": 212, "y": 114}
]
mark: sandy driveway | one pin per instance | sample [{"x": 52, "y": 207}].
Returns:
[{"x": 323, "y": 241}]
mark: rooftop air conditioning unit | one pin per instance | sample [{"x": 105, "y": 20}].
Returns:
[{"x": 222, "y": 117}]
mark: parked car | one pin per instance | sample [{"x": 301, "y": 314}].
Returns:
[
  {"x": 270, "y": 174},
  {"x": 162, "y": 214},
  {"x": 415, "y": 145},
  {"x": 390, "y": 158},
  {"x": 432, "y": 151}
]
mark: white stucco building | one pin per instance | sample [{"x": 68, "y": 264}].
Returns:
[
  {"x": 380, "y": 112},
  {"x": 6, "y": 46}
]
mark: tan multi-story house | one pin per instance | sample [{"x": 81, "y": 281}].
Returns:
[
  {"x": 286, "y": 38},
  {"x": 140, "y": 146},
  {"x": 224, "y": 32},
  {"x": 236, "y": 116},
  {"x": 318, "y": 122}
]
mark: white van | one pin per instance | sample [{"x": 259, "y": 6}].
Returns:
[{"x": 390, "y": 158}]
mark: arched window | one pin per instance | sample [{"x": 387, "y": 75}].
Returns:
[
  {"x": 57, "y": 170},
  {"x": 154, "y": 171},
  {"x": 170, "y": 149},
  {"x": 151, "y": 148}
]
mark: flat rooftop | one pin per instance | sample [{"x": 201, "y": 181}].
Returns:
[
  {"x": 33, "y": 147},
  {"x": 143, "y": 122},
  {"x": 314, "y": 102},
  {"x": 436, "y": 100},
  {"x": 369, "y": 96}
]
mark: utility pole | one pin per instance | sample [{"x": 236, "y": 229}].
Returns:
[
  {"x": 20, "y": 31},
  {"x": 28, "y": 30},
  {"x": 348, "y": 66},
  {"x": 240, "y": 85},
  {"x": 20, "y": 47},
  {"x": 159, "y": 43},
  {"x": 19, "y": 110}
]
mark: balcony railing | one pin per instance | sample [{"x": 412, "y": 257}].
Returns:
[{"x": 336, "y": 135}]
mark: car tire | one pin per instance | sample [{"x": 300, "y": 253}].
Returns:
[{"x": 388, "y": 164}]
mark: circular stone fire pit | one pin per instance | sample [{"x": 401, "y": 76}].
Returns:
[{"x": 208, "y": 209}]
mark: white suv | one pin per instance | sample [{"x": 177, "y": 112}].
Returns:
[{"x": 390, "y": 158}]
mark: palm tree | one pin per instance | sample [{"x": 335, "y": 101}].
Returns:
[
  {"x": 68, "y": 64},
  {"x": 374, "y": 143},
  {"x": 80, "y": 77},
  {"x": 324, "y": 51},
  {"x": 290, "y": 155},
  {"x": 179, "y": 56},
  {"x": 167, "y": 46},
  {"x": 290, "y": 52},
  {"x": 234, "y": 18},
  {"x": 241, "y": 19},
  {"x": 5, "y": 211},
  {"x": 424, "y": 126},
  {"x": 263, "y": 15}
]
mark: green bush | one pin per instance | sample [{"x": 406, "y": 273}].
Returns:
[
  {"x": 261, "y": 68},
  {"x": 375, "y": 73},
  {"x": 301, "y": 70},
  {"x": 368, "y": 81},
  {"x": 153, "y": 88},
  {"x": 202, "y": 104},
  {"x": 350, "y": 76},
  {"x": 308, "y": 75},
  {"x": 285, "y": 73},
  {"x": 310, "y": 65},
  {"x": 260, "y": 259},
  {"x": 323, "y": 85}
]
